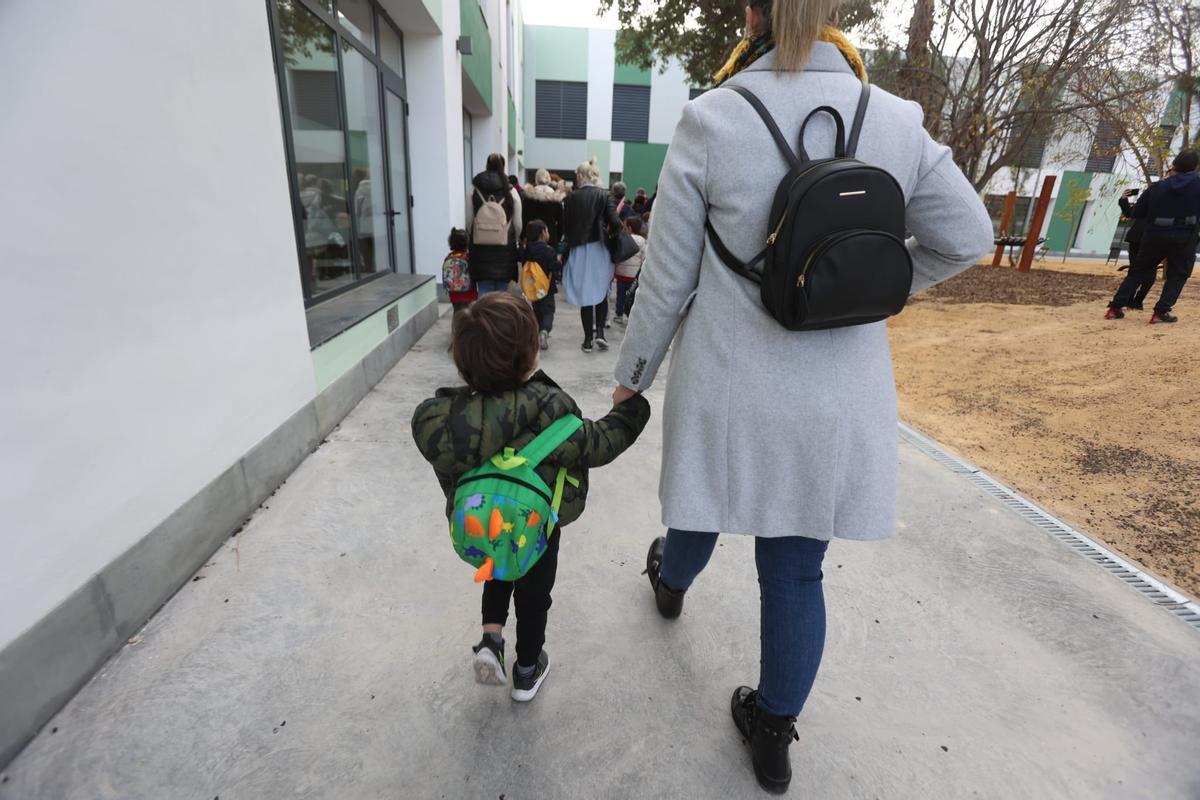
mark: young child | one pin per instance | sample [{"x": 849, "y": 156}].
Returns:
[
  {"x": 456, "y": 271},
  {"x": 507, "y": 401},
  {"x": 627, "y": 271},
  {"x": 538, "y": 249}
]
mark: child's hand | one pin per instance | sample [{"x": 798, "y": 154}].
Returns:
[{"x": 621, "y": 394}]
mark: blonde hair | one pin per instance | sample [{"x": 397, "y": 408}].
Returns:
[
  {"x": 542, "y": 177},
  {"x": 588, "y": 173},
  {"x": 795, "y": 25}
]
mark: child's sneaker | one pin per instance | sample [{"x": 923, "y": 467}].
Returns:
[
  {"x": 544, "y": 340},
  {"x": 489, "y": 661},
  {"x": 601, "y": 342},
  {"x": 525, "y": 687}
]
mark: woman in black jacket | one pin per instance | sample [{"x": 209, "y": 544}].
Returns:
[
  {"x": 589, "y": 213},
  {"x": 494, "y": 265}
]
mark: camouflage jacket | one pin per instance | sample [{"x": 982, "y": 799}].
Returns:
[{"x": 458, "y": 429}]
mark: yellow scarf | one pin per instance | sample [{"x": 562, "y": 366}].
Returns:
[{"x": 749, "y": 50}]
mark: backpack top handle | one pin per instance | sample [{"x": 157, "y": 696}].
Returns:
[{"x": 843, "y": 147}]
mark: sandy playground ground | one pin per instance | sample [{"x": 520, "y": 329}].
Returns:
[{"x": 1098, "y": 421}]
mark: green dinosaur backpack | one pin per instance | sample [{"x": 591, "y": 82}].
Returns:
[{"x": 504, "y": 513}]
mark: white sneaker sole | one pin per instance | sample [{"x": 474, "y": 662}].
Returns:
[
  {"x": 487, "y": 669},
  {"x": 525, "y": 695}
]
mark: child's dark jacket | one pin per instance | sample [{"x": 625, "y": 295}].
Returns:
[{"x": 458, "y": 430}]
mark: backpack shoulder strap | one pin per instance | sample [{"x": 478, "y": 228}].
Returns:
[
  {"x": 859, "y": 115},
  {"x": 767, "y": 119},
  {"x": 550, "y": 439}
]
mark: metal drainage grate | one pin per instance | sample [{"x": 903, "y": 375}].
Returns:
[{"x": 1155, "y": 590}]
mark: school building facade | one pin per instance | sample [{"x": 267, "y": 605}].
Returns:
[
  {"x": 229, "y": 220},
  {"x": 581, "y": 103}
]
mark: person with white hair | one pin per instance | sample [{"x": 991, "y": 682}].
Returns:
[{"x": 589, "y": 216}]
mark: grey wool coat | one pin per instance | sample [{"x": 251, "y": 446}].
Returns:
[{"x": 766, "y": 431}]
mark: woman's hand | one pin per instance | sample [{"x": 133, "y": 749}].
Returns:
[{"x": 621, "y": 394}]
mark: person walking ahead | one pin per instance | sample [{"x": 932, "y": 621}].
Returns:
[
  {"x": 589, "y": 214},
  {"x": 1171, "y": 210},
  {"x": 786, "y": 436}
]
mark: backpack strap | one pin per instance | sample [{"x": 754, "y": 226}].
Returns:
[
  {"x": 859, "y": 115},
  {"x": 772, "y": 126},
  {"x": 725, "y": 254},
  {"x": 839, "y": 141},
  {"x": 550, "y": 439}
]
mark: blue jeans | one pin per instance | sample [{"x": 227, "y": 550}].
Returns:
[
  {"x": 792, "y": 624},
  {"x": 487, "y": 287}
]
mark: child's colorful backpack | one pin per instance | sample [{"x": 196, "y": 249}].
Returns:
[
  {"x": 456, "y": 275},
  {"x": 535, "y": 283},
  {"x": 504, "y": 513}
]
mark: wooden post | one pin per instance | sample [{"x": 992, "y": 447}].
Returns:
[
  {"x": 1010, "y": 203},
  {"x": 1035, "y": 225}
]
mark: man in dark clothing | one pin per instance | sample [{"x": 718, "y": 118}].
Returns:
[
  {"x": 1133, "y": 237},
  {"x": 1171, "y": 209}
]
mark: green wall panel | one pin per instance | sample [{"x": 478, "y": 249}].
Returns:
[
  {"x": 561, "y": 54},
  {"x": 1072, "y": 197},
  {"x": 478, "y": 65},
  {"x": 332, "y": 359},
  {"x": 1097, "y": 235},
  {"x": 512, "y": 122},
  {"x": 643, "y": 163},
  {"x": 631, "y": 75}
]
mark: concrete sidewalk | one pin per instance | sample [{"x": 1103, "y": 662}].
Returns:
[{"x": 324, "y": 652}]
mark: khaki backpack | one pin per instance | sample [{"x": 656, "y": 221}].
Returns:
[{"x": 491, "y": 223}]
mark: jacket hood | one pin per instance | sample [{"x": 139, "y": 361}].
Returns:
[
  {"x": 490, "y": 183},
  {"x": 1181, "y": 182}
]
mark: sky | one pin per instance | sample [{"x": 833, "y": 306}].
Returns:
[{"x": 570, "y": 13}]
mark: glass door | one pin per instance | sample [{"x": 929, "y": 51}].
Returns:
[{"x": 398, "y": 211}]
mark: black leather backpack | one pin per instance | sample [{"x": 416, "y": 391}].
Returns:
[{"x": 835, "y": 253}]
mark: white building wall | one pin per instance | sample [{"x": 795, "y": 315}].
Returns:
[
  {"x": 602, "y": 59},
  {"x": 668, "y": 95},
  {"x": 151, "y": 259},
  {"x": 435, "y": 130}
]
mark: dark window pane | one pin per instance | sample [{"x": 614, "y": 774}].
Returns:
[
  {"x": 367, "y": 174},
  {"x": 358, "y": 17},
  {"x": 631, "y": 113},
  {"x": 312, "y": 87},
  {"x": 1105, "y": 147},
  {"x": 561, "y": 108}
]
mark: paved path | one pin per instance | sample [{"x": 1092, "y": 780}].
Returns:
[{"x": 973, "y": 656}]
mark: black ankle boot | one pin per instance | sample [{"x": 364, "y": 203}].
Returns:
[
  {"x": 669, "y": 601},
  {"x": 769, "y": 737}
]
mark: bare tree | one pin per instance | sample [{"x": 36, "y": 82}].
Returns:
[
  {"x": 1178, "y": 22},
  {"x": 997, "y": 77}
]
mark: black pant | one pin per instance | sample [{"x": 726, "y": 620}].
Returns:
[
  {"x": 544, "y": 311},
  {"x": 594, "y": 318},
  {"x": 532, "y": 599},
  {"x": 622, "y": 293},
  {"x": 1180, "y": 256},
  {"x": 1143, "y": 289}
]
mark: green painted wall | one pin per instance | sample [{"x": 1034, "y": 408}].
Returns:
[
  {"x": 1072, "y": 197},
  {"x": 602, "y": 150},
  {"x": 332, "y": 359},
  {"x": 478, "y": 65},
  {"x": 643, "y": 163},
  {"x": 561, "y": 54},
  {"x": 631, "y": 75},
  {"x": 434, "y": 7},
  {"x": 512, "y": 122}
]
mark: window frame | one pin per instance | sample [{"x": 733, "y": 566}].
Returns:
[
  {"x": 539, "y": 119},
  {"x": 646, "y": 90},
  {"x": 388, "y": 79}
]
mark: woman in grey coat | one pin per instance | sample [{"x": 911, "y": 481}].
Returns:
[{"x": 787, "y": 436}]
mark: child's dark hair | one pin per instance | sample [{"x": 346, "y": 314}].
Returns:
[
  {"x": 495, "y": 342},
  {"x": 459, "y": 239},
  {"x": 534, "y": 230},
  {"x": 635, "y": 226}
]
